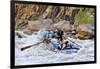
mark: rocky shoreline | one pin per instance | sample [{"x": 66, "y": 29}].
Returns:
[
  {"x": 83, "y": 31},
  {"x": 34, "y": 17}
]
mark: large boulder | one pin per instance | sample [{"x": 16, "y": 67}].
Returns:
[
  {"x": 63, "y": 25},
  {"x": 85, "y": 31},
  {"x": 38, "y": 24}
]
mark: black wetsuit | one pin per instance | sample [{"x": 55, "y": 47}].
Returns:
[{"x": 60, "y": 35}]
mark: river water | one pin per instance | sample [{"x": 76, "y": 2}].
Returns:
[{"x": 39, "y": 54}]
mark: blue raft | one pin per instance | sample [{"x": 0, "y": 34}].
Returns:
[{"x": 71, "y": 46}]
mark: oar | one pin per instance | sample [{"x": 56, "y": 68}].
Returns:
[
  {"x": 24, "y": 48},
  {"x": 74, "y": 42}
]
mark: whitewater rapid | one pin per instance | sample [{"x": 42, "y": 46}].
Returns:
[{"x": 39, "y": 54}]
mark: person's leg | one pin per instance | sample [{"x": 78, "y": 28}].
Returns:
[
  {"x": 66, "y": 44},
  {"x": 63, "y": 46}
]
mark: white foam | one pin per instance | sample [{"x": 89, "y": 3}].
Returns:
[{"x": 39, "y": 54}]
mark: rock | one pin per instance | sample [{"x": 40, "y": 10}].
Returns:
[
  {"x": 38, "y": 24},
  {"x": 85, "y": 31},
  {"x": 34, "y": 12},
  {"x": 36, "y": 17},
  {"x": 46, "y": 21},
  {"x": 64, "y": 25}
]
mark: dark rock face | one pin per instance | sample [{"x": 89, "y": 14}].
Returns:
[
  {"x": 74, "y": 12},
  {"x": 27, "y": 12}
]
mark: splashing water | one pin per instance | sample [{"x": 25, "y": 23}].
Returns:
[{"x": 39, "y": 54}]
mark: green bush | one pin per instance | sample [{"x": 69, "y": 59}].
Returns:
[{"x": 85, "y": 16}]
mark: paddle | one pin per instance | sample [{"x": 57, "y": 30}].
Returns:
[
  {"x": 24, "y": 48},
  {"x": 74, "y": 42},
  {"x": 43, "y": 41}
]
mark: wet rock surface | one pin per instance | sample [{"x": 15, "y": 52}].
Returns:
[{"x": 85, "y": 31}]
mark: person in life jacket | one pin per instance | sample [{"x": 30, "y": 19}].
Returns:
[
  {"x": 54, "y": 39},
  {"x": 54, "y": 43},
  {"x": 59, "y": 35}
]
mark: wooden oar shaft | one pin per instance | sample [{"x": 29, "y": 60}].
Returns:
[
  {"x": 24, "y": 48},
  {"x": 75, "y": 43}
]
